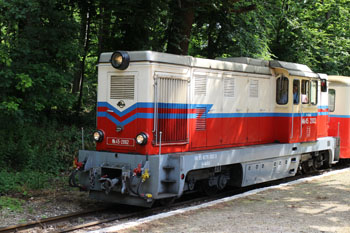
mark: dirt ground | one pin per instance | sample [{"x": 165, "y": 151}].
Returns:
[
  {"x": 47, "y": 203},
  {"x": 320, "y": 205}
]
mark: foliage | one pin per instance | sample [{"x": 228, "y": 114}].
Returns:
[
  {"x": 38, "y": 49},
  {"x": 314, "y": 32},
  {"x": 11, "y": 203},
  {"x": 23, "y": 181},
  {"x": 37, "y": 153},
  {"x": 221, "y": 31},
  {"x": 47, "y": 148},
  {"x": 46, "y": 51}
]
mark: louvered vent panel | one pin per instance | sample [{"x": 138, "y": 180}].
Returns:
[
  {"x": 172, "y": 109},
  {"x": 200, "y": 85},
  {"x": 229, "y": 87},
  {"x": 254, "y": 88},
  {"x": 122, "y": 87},
  {"x": 201, "y": 119}
]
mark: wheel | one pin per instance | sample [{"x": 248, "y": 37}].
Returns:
[{"x": 206, "y": 189}]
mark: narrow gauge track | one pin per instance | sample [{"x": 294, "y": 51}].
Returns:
[
  {"x": 56, "y": 223},
  {"x": 46, "y": 221}
]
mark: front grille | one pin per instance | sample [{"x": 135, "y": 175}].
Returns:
[{"x": 122, "y": 87}]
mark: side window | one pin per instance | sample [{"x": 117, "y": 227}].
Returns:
[
  {"x": 313, "y": 92},
  {"x": 305, "y": 91},
  {"x": 282, "y": 90},
  {"x": 331, "y": 100},
  {"x": 296, "y": 91},
  {"x": 323, "y": 85}
]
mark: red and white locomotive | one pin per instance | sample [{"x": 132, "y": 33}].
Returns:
[{"x": 169, "y": 124}]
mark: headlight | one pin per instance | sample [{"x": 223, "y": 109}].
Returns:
[
  {"x": 120, "y": 60},
  {"x": 98, "y": 136},
  {"x": 141, "y": 139}
]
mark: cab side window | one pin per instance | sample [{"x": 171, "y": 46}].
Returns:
[
  {"x": 282, "y": 90},
  {"x": 296, "y": 91},
  {"x": 331, "y": 100},
  {"x": 313, "y": 92},
  {"x": 305, "y": 91}
]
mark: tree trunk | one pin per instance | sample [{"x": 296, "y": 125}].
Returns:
[
  {"x": 82, "y": 64},
  {"x": 77, "y": 76},
  {"x": 180, "y": 29}
]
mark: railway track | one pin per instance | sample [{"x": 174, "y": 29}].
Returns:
[
  {"x": 44, "y": 221},
  {"x": 59, "y": 223}
]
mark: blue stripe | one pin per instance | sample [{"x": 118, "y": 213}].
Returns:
[
  {"x": 126, "y": 121},
  {"x": 183, "y": 106},
  {"x": 323, "y": 113},
  {"x": 151, "y": 105},
  {"x": 127, "y": 110},
  {"x": 176, "y": 116},
  {"x": 323, "y": 107},
  {"x": 267, "y": 114},
  {"x": 340, "y": 116}
]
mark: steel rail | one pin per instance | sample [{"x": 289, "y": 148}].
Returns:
[{"x": 49, "y": 220}]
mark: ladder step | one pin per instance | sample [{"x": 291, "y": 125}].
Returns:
[
  {"x": 168, "y": 181},
  {"x": 166, "y": 195}
]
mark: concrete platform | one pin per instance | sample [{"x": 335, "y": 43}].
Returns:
[{"x": 317, "y": 204}]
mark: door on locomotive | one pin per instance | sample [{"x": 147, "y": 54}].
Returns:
[
  {"x": 322, "y": 107},
  {"x": 171, "y": 108},
  {"x": 339, "y": 112},
  {"x": 296, "y": 104}
]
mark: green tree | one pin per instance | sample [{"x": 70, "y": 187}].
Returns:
[
  {"x": 313, "y": 32},
  {"x": 38, "y": 48},
  {"x": 230, "y": 28}
]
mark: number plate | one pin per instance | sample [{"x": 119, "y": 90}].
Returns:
[{"x": 120, "y": 141}]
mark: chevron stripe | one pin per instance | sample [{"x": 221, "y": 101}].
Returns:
[{"x": 118, "y": 119}]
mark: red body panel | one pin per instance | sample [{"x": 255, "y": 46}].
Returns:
[
  {"x": 340, "y": 126},
  {"x": 322, "y": 123},
  {"x": 219, "y": 132}
]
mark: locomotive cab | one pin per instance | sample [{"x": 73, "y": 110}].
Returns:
[{"x": 296, "y": 102}]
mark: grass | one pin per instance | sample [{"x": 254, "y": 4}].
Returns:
[
  {"x": 24, "y": 181},
  {"x": 12, "y": 204}
]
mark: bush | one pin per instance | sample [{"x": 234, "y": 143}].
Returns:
[
  {"x": 24, "y": 181},
  {"x": 30, "y": 154},
  {"x": 12, "y": 204}
]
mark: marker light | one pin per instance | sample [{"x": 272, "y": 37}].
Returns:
[
  {"x": 120, "y": 60},
  {"x": 141, "y": 139},
  {"x": 98, "y": 136}
]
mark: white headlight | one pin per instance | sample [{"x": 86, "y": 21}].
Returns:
[
  {"x": 120, "y": 60},
  {"x": 98, "y": 136},
  {"x": 141, "y": 139}
]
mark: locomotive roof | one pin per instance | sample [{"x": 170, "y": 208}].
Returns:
[
  {"x": 339, "y": 79},
  {"x": 294, "y": 68},
  {"x": 239, "y": 64}
]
